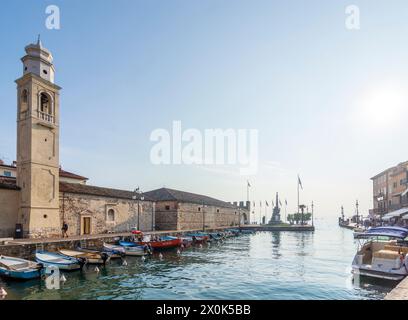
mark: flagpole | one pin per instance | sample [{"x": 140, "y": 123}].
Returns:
[
  {"x": 298, "y": 195},
  {"x": 312, "y": 214}
]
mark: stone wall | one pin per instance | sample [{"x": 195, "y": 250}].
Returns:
[
  {"x": 194, "y": 216},
  {"x": 166, "y": 215},
  {"x": 75, "y": 207},
  {"x": 8, "y": 212}
]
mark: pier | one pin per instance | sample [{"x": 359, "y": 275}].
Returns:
[{"x": 400, "y": 292}]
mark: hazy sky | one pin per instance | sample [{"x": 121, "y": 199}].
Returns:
[{"x": 329, "y": 103}]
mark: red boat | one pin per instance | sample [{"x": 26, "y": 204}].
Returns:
[{"x": 164, "y": 243}]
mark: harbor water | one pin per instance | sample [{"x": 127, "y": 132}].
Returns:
[{"x": 265, "y": 265}]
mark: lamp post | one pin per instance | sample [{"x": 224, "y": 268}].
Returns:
[
  {"x": 138, "y": 196},
  {"x": 203, "y": 216}
]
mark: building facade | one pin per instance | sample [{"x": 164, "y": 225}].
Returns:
[{"x": 390, "y": 189}]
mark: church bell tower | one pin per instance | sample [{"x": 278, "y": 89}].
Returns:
[{"x": 38, "y": 144}]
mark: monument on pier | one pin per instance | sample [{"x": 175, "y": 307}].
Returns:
[{"x": 276, "y": 218}]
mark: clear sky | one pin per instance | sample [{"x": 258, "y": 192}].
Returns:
[{"x": 329, "y": 103}]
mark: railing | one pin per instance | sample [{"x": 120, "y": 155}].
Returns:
[{"x": 45, "y": 116}]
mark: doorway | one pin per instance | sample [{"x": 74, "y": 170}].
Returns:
[{"x": 86, "y": 225}]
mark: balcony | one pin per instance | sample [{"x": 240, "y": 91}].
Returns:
[{"x": 46, "y": 117}]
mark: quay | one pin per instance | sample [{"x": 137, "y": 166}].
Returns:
[
  {"x": 400, "y": 292},
  {"x": 25, "y": 248}
]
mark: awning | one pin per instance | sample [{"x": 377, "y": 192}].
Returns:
[{"x": 396, "y": 213}]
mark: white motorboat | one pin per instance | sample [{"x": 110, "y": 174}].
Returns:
[{"x": 382, "y": 253}]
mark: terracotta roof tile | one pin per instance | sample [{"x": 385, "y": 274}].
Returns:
[
  {"x": 97, "y": 191},
  {"x": 166, "y": 194}
]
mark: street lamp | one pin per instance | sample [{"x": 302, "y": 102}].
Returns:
[
  {"x": 138, "y": 196},
  {"x": 203, "y": 206}
]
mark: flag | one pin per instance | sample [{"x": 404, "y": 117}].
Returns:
[
  {"x": 267, "y": 203},
  {"x": 248, "y": 184},
  {"x": 300, "y": 182},
  {"x": 286, "y": 202}
]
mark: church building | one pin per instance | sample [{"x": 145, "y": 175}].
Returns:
[{"x": 37, "y": 195}]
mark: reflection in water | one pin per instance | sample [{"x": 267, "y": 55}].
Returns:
[{"x": 266, "y": 265}]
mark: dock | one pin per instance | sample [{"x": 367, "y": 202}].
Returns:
[{"x": 400, "y": 292}]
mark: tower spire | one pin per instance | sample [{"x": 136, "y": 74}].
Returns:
[{"x": 39, "y": 41}]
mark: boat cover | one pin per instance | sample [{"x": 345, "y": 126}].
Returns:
[{"x": 392, "y": 232}]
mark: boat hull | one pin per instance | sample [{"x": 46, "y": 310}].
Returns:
[
  {"x": 164, "y": 244},
  {"x": 377, "y": 274},
  {"x": 21, "y": 275},
  {"x": 57, "y": 260}
]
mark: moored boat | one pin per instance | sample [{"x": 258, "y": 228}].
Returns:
[
  {"x": 383, "y": 253},
  {"x": 59, "y": 260},
  {"x": 21, "y": 269},
  {"x": 90, "y": 257},
  {"x": 198, "y": 237},
  {"x": 163, "y": 243},
  {"x": 127, "y": 250},
  {"x": 89, "y": 250}
]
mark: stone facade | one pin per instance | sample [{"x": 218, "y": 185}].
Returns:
[
  {"x": 106, "y": 214},
  {"x": 174, "y": 215},
  {"x": 9, "y": 200}
]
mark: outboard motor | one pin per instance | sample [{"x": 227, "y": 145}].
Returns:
[
  {"x": 82, "y": 262},
  {"x": 104, "y": 257}
]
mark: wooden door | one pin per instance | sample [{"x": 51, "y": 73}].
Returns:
[{"x": 87, "y": 225}]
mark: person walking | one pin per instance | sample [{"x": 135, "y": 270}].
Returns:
[{"x": 64, "y": 230}]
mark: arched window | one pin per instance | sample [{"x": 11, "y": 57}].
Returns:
[
  {"x": 24, "y": 96},
  {"x": 111, "y": 215},
  {"x": 45, "y": 104}
]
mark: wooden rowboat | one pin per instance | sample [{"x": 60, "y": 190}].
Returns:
[
  {"x": 89, "y": 250},
  {"x": 91, "y": 258},
  {"x": 21, "y": 269},
  {"x": 58, "y": 260}
]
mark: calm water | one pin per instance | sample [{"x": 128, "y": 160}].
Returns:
[{"x": 262, "y": 266}]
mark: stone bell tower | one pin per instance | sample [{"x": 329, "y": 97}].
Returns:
[{"x": 38, "y": 144}]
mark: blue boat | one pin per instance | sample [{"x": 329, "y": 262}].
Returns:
[
  {"x": 247, "y": 231},
  {"x": 128, "y": 244},
  {"x": 58, "y": 260},
  {"x": 20, "y": 269}
]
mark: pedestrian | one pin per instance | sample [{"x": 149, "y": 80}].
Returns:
[{"x": 64, "y": 230}]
